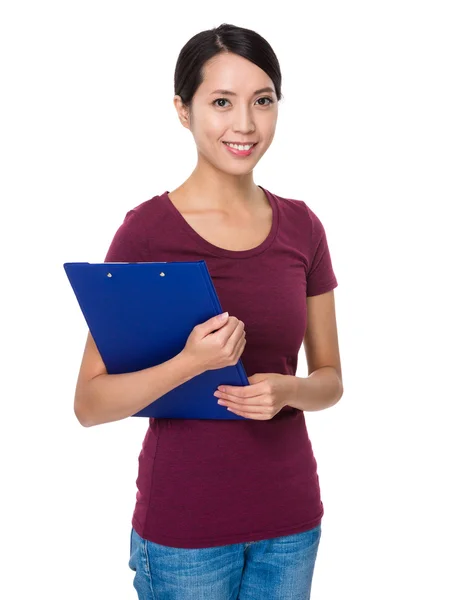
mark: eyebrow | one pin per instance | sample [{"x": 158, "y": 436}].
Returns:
[{"x": 229, "y": 93}]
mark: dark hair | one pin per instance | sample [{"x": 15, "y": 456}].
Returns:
[{"x": 225, "y": 38}]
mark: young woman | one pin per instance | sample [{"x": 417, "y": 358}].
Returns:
[{"x": 229, "y": 509}]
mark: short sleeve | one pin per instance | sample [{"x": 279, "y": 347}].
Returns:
[
  {"x": 129, "y": 243},
  {"x": 320, "y": 275}
]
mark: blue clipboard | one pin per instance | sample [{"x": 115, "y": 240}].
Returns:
[{"x": 140, "y": 314}]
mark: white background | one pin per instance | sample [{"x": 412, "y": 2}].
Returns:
[{"x": 88, "y": 131}]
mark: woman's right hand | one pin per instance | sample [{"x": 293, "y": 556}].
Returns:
[{"x": 216, "y": 343}]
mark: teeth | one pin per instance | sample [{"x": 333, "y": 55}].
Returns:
[{"x": 239, "y": 146}]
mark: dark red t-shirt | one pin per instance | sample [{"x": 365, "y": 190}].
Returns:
[{"x": 204, "y": 483}]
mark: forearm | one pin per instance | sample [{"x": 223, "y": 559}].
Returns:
[
  {"x": 321, "y": 389},
  {"x": 111, "y": 397}
]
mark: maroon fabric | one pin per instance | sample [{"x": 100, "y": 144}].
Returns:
[{"x": 204, "y": 483}]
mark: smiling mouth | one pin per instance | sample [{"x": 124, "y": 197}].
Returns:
[
  {"x": 251, "y": 144},
  {"x": 242, "y": 151}
]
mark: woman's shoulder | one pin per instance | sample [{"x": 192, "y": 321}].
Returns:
[
  {"x": 299, "y": 214},
  {"x": 150, "y": 204},
  {"x": 293, "y": 207}
]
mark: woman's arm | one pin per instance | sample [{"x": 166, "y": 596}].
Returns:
[
  {"x": 324, "y": 385},
  {"x": 102, "y": 398}
]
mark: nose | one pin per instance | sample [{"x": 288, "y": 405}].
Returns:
[{"x": 243, "y": 121}]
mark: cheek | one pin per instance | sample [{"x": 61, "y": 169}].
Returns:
[
  {"x": 211, "y": 132},
  {"x": 270, "y": 129},
  {"x": 211, "y": 122}
]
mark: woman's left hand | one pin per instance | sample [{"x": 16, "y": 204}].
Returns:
[{"x": 266, "y": 395}]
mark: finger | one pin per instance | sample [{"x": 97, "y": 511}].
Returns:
[
  {"x": 238, "y": 393},
  {"x": 245, "y": 391},
  {"x": 248, "y": 415},
  {"x": 251, "y": 408},
  {"x": 257, "y": 402}
]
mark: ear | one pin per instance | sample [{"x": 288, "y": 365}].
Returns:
[{"x": 182, "y": 111}]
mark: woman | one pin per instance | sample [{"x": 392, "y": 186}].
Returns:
[{"x": 229, "y": 508}]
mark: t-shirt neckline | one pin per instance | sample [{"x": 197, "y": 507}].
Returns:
[{"x": 217, "y": 250}]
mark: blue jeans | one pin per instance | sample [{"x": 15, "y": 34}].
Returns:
[{"x": 280, "y": 568}]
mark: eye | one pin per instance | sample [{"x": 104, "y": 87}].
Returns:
[
  {"x": 218, "y": 100},
  {"x": 270, "y": 101}
]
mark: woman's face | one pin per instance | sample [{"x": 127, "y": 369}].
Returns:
[{"x": 241, "y": 115}]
